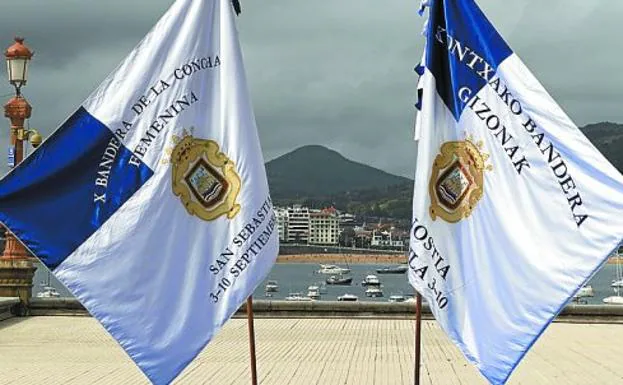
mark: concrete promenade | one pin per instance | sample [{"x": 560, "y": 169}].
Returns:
[{"x": 77, "y": 350}]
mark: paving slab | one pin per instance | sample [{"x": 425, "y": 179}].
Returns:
[{"x": 77, "y": 350}]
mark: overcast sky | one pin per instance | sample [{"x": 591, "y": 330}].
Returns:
[{"x": 332, "y": 72}]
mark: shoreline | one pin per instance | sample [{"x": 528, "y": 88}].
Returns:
[
  {"x": 615, "y": 260},
  {"x": 390, "y": 259}
]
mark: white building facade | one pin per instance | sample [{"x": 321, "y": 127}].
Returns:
[
  {"x": 298, "y": 224},
  {"x": 324, "y": 228},
  {"x": 384, "y": 239},
  {"x": 282, "y": 223}
]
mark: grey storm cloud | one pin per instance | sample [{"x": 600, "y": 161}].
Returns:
[{"x": 336, "y": 73}]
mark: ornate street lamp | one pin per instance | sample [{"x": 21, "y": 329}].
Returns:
[
  {"x": 17, "y": 58},
  {"x": 18, "y": 109},
  {"x": 16, "y": 266}
]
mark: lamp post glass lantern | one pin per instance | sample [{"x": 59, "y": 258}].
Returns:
[
  {"x": 18, "y": 70},
  {"x": 17, "y": 58}
]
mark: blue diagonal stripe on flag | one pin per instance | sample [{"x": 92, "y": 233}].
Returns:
[
  {"x": 151, "y": 202},
  {"x": 456, "y": 63},
  {"x": 78, "y": 169}
]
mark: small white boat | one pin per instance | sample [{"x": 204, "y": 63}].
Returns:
[
  {"x": 413, "y": 299},
  {"x": 313, "y": 292},
  {"x": 333, "y": 269},
  {"x": 348, "y": 297},
  {"x": 48, "y": 292},
  {"x": 271, "y": 287},
  {"x": 585, "y": 291},
  {"x": 339, "y": 280},
  {"x": 617, "y": 283},
  {"x": 397, "y": 298},
  {"x": 297, "y": 297},
  {"x": 400, "y": 269},
  {"x": 614, "y": 300},
  {"x": 374, "y": 292},
  {"x": 371, "y": 280}
]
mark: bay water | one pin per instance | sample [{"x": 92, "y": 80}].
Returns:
[{"x": 297, "y": 277}]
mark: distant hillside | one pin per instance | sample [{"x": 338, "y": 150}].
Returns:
[
  {"x": 387, "y": 202},
  {"x": 608, "y": 138},
  {"x": 319, "y": 177},
  {"x": 316, "y": 171}
]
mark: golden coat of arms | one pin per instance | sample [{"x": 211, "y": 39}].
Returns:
[
  {"x": 457, "y": 180},
  {"x": 204, "y": 178}
]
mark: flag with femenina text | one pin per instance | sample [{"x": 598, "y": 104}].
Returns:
[
  {"x": 150, "y": 203},
  {"x": 514, "y": 209}
]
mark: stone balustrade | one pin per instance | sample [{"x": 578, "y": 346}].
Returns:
[
  {"x": 334, "y": 309},
  {"x": 9, "y": 307}
]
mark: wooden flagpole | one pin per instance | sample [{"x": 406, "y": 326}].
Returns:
[
  {"x": 418, "y": 339},
  {"x": 251, "y": 340},
  {"x": 237, "y": 9}
]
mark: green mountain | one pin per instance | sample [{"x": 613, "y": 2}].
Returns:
[
  {"x": 319, "y": 177},
  {"x": 316, "y": 171},
  {"x": 608, "y": 138}
]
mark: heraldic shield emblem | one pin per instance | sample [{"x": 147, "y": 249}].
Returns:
[
  {"x": 204, "y": 178},
  {"x": 457, "y": 180}
]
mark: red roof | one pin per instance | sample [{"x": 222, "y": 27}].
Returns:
[{"x": 329, "y": 211}]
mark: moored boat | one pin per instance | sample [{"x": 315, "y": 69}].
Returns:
[
  {"x": 371, "y": 280},
  {"x": 413, "y": 299},
  {"x": 271, "y": 287},
  {"x": 297, "y": 297},
  {"x": 400, "y": 269},
  {"x": 585, "y": 291},
  {"x": 334, "y": 280},
  {"x": 348, "y": 298},
  {"x": 313, "y": 292},
  {"x": 374, "y": 292},
  {"x": 396, "y": 298},
  {"x": 617, "y": 283},
  {"x": 48, "y": 292},
  {"x": 333, "y": 269},
  {"x": 613, "y": 300}
]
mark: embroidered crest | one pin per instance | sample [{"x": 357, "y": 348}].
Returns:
[
  {"x": 204, "y": 178},
  {"x": 457, "y": 180}
]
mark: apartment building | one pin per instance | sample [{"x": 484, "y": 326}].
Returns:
[
  {"x": 324, "y": 227},
  {"x": 282, "y": 223},
  {"x": 384, "y": 239},
  {"x": 298, "y": 224}
]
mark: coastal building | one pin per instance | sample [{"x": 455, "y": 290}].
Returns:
[
  {"x": 298, "y": 224},
  {"x": 282, "y": 223},
  {"x": 384, "y": 239},
  {"x": 362, "y": 237},
  {"x": 347, "y": 220},
  {"x": 324, "y": 227}
]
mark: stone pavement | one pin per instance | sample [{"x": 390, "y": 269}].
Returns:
[{"x": 77, "y": 350}]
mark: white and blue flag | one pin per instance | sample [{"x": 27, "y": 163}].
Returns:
[
  {"x": 150, "y": 203},
  {"x": 513, "y": 209}
]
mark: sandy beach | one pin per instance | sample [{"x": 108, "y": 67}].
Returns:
[
  {"x": 364, "y": 258},
  {"x": 343, "y": 258},
  {"x": 616, "y": 260}
]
